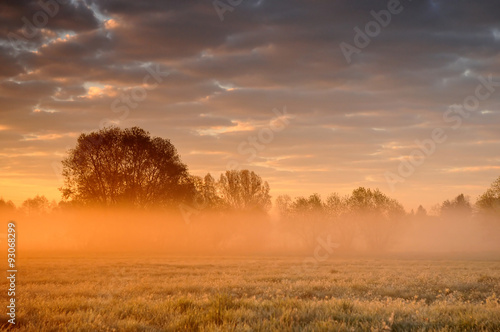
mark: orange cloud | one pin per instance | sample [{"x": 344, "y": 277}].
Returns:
[
  {"x": 240, "y": 126},
  {"x": 47, "y": 137},
  {"x": 471, "y": 169}
]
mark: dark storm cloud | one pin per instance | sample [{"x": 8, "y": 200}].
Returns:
[{"x": 64, "y": 15}]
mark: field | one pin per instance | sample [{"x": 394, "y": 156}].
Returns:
[{"x": 132, "y": 293}]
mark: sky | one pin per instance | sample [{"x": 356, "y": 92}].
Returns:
[{"x": 314, "y": 96}]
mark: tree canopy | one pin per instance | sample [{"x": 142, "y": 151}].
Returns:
[
  {"x": 37, "y": 205},
  {"x": 114, "y": 166},
  {"x": 459, "y": 206},
  {"x": 7, "y": 205},
  {"x": 489, "y": 202},
  {"x": 244, "y": 191},
  {"x": 367, "y": 211},
  {"x": 374, "y": 202}
]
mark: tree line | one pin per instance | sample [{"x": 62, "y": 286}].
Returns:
[{"x": 116, "y": 167}]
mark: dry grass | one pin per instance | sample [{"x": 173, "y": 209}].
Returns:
[{"x": 256, "y": 294}]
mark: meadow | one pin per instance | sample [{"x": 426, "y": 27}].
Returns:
[{"x": 192, "y": 293}]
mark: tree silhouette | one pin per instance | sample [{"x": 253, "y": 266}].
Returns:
[
  {"x": 344, "y": 230},
  {"x": 457, "y": 207},
  {"x": 421, "y": 212},
  {"x": 489, "y": 202},
  {"x": 283, "y": 204},
  {"x": 308, "y": 217},
  {"x": 207, "y": 197},
  {"x": 244, "y": 191},
  {"x": 374, "y": 203},
  {"x": 6, "y": 205},
  {"x": 115, "y": 167},
  {"x": 376, "y": 214},
  {"x": 37, "y": 205}
]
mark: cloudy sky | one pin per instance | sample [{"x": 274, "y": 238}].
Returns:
[{"x": 315, "y": 96}]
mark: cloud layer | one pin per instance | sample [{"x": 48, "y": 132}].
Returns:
[{"x": 177, "y": 70}]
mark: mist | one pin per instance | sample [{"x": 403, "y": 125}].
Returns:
[{"x": 173, "y": 232}]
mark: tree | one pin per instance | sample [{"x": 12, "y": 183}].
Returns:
[
  {"x": 376, "y": 214},
  {"x": 489, "y": 202},
  {"x": 421, "y": 212},
  {"x": 7, "y": 206},
  {"x": 336, "y": 206},
  {"x": 308, "y": 207},
  {"x": 37, "y": 205},
  {"x": 244, "y": 191},
  {"x": 283, "y": 203},
  {"x": 374, "y": 203},
  {"x": 113, "y": 167},
  {"x": 207, "y": 197},
  {"x": 309, "y": 218},
  {"x": 458, "y": 207},
  {"x": 342, "y": 228}
]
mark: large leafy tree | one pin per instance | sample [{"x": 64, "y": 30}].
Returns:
[{"x": 125, "y": 167}]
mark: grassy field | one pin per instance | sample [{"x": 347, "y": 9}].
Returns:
[{"x": 256, "y": 294}]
